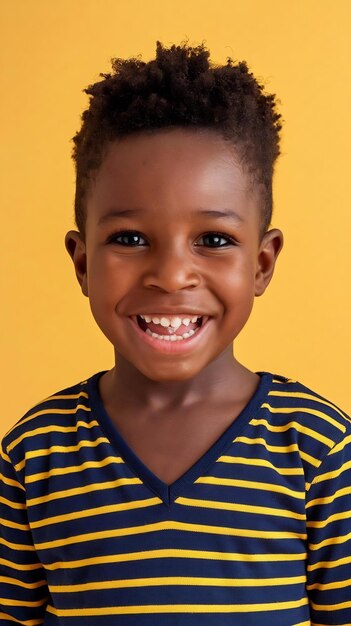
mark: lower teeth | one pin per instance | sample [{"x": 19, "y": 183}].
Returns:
[{"x": 172, "y": 337}]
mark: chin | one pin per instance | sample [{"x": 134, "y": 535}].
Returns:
[{"x": 175, "y": 373}]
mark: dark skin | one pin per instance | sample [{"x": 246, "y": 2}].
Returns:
[{"x": 174, "y": 406}]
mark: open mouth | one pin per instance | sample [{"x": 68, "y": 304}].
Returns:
[{"x": 170, "y": 340}]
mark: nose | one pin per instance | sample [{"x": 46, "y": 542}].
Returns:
[{"x": 172, "y": 268}]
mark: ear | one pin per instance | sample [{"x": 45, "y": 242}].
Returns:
[
  {"x": 76, "y": 248},
  {"x": 270, "y": 247}
]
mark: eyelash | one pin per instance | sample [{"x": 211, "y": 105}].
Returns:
[{"x": 114, "y": 236}]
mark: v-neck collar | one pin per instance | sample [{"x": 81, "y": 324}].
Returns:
[{"x": 168, "y": 493}]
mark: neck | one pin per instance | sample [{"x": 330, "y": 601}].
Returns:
[{"x": 225, "y": 377}]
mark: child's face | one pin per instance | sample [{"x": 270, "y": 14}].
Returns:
[{"x": 178, "y": 263}]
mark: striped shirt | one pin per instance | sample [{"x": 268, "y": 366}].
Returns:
[{"x": 256, "y": 533}]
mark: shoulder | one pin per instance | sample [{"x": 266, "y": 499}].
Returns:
[
  {"x": 289, "y": 396},
  {"x": 311, "y": 422},
  {"x": 58, "y": 413}
]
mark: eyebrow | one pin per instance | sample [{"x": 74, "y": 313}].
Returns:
[{"x": 224, "y": 214}]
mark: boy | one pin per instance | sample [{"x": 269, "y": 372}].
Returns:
[{"x": 178, "y": 488}]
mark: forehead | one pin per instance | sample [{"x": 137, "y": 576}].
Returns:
[{"x": 172, "y": 172}]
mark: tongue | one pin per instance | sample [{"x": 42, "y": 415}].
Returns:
[{"x": 162, "y": 330}]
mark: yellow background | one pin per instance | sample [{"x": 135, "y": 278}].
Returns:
[{"x": 51, "y": 50}]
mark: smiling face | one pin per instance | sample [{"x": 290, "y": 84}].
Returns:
[{"x": 183, "y": 254}]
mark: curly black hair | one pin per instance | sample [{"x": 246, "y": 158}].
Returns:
[{"x": 181, "y": 87}]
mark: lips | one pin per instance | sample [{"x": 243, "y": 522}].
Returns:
[{"x": 169, "y": 347}]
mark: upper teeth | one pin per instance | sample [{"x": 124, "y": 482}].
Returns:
[{"x": 175, "y": 322}]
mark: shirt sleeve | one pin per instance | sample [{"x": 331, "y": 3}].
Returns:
[
  {"x": 328, "y": 510},
  {"x": 23, "y": 586}
]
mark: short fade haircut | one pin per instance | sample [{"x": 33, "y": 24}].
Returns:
[{"x": 181, "y": 87}]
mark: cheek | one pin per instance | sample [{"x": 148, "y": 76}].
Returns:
[
  {"x": 102, "y": 290},
  {"x": 110, "y": 284},
  {"x": 238, "y": 282},
  {"x": 237, "y": 295}
]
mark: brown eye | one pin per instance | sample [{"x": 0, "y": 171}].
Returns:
[
  {"x": 129, "y": 238},
  {"x": 215, "y": 238}
]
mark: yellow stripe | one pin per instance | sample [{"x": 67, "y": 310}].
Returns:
[
  {"x": 298, "y": 427},
  {"x": 99, "y": 510},
  {"x": 341, "y": 445},
  {"x": 48, "y": 412},
  {"x": 68, "y": 493},
  {"x": 295, "y": 409},
  {"x": 20, "y": 566},
  {"x": 27, "y": 622},
  {"x": 335, "y": 474},
  {"x": 331, "y": 518},
  {"x": 71, "y": 396},
  {"x": 308, "y": 623},
  {"x": 11, "y": 482},
  {"x": 178, "y": 580},
  {"x": 178, "y": 608},
  {"x": 329, "y": 564},
  {"x": 72, "y": 469},
  {"x": 243, "y": 508},
  {"x": 308, "y": 396},
  {"x": 331, "y": 607},
  {"x": 14, "y": 505},
  {"x": 177, "y": 554},
  {"x": 340, "y": 584},
  {"x": 310, "y": 459},
  {"x": 17, "y": 546},
  {"x": 52, "y": 429},
  {"x": 5, "y": 456},
  {"x": 9, "y": 524},
  {"x": 329, "y": 499},
  {"x": 282, "y": 471},
  {"x": 170, "y": 525},
  {"x": 34, "y": 454},
  {"x": 11, "y": 602},
  {"x": 279, "y": 449},
  {"x": 248, "y": 484},
  {"x": 20, "y": 583},
  {"x": 331, "y": 541}
]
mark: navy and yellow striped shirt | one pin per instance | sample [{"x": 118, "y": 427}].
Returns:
[{"x": 256, "y": 533}]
